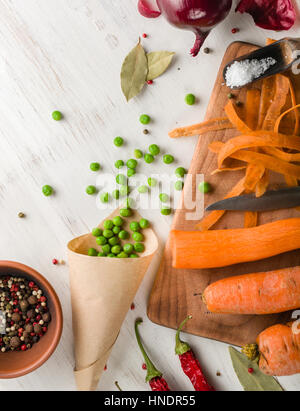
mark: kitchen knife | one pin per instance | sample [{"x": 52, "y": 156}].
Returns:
[{"x": 271, "y": 200}]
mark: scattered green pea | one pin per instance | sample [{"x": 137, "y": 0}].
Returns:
[
  {"x": 47, "y": 190},
  {"x": 90, "y": 190},
  {"x": 180, "y": 172},
  {"x": 118, "y": 141},
  {"x": 154, "y": 149},
  {"x": 125, "y": 212},
  {"x": 108, "y": 233},
  {"x": 152, "y": 182},
  {"x": 134, "y": 226},
  {"x": 133, "y": 256},
  {"x": 179, "y": 185},
  {"x": 138, "y": 153},
  {"x": 144, "y": 223},
  {"x": 95, "y": 166},
  {"x": 111, "y": 255},
  {"x": 204, "y": 187},
  {"x": 104, "y": 197},
  {"x": 118, "y": 221},
  {"x": 101, "y": 254},
  {"x": 131, "y": 163},
  {"x": 164, "y": 198},
  {"x": 143, "y": 189},
  {"x": 108, "y": 224},
  {"x": 116, "y": 230},
  {"x": 130, "y": 203},
  {"x": 145, "y": 119},
  {"x": 148, "y": 158},
  {"x": 131, "y": 172},
  {"x": 139, "y": 247},
  {"x": 96, "y": 232},
  {"x": 122, "y": 255},
  {"x": 92, "y": 252},
  {"x": 128, "y": 248},
  {"x": 121, "y": 179},
  {"x": 116, "y": 194},
  {"x": 123, "y": 235},
  {"x": 124, "y": 190},
  {"x": 168, "y": 159},
  {"x": 190, "y": 99},
  {"x": 106, "y": 248},
  {"x": 101, "y": 240},
  {"x": 119, "y": 163},
  {"x": 138, "y": 237},
  {"x": 116, "y": 249},
  {"x": 57, "y": 115},
  {"x": 165, "y": 211},
  {"x": 113, "y": 241}
]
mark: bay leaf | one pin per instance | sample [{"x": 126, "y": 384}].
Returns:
[
  {"x": 256, "y": 381},
  {"x": 134, "y": 72},
  {"x": 158, "y": 62}
]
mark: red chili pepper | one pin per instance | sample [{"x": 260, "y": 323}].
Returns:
[
  {"x": 189, "y": 363},
  {"x": 154, "y": 377}
]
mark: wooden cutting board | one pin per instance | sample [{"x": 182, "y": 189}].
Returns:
[{"x": 177, "y": 293}]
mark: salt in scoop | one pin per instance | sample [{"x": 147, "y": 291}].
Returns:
[{"x": 263, "y": 62}]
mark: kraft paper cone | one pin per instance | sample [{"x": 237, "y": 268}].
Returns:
[{"x": 102, "y": 291}]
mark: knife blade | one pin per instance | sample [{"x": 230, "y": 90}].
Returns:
[{"x": 270, "y": 201}]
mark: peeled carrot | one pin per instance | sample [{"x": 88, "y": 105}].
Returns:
[
  {"x": 260, "y": 293},
  {"x": 215, "y": 124},
  {"x": 220, "y": 248},
  {"x": 250, "y": 219},
  {"x": 279, "y": 349}
]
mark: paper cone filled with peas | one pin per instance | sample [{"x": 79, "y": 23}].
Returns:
[{"x": 106, "y": 269}]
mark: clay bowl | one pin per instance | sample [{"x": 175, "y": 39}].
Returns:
[{"x": 18, "y": 363}]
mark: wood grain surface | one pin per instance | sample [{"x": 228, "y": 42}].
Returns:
[{"x": 177, "y": 292}]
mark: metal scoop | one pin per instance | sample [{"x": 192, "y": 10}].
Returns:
[{"x": 286, "y": 52}]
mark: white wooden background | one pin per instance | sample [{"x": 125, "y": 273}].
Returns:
[{"x": 66, "y": 55}]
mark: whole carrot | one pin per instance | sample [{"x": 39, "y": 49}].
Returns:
[
  {"x": 189, "y": 363},
  {"x": 153, "y": 377}
]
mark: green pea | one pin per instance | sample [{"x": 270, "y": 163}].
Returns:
[
  {"x": 204, "y": 187},
  {"x": 152, "y": 182},
  {"x": 116, "y": 194},
  {"x": 148, "y": 158},
  {"x": 132, "y": 163},
  {"x": 180, "y": 172},
  {"x": 154, "y": 149},
  {"x": 118, "y": 221},
  {"x": 95, "y": 166},
  {"x": 144, "y": 223},
  {"x": 138, "y": 237},
  {"x": 165, "y": 211},
  {"x": 118, "y": 141},
  {"x": 117, "y": 249},
  {"x": 138, "y": 154},
  {"x": 131, "y": 172},
  {"x": 128, "y": 248},
  {"x": 57, "y": 115},
  {"x": 111, "y": 255},
  {"x": 143, "y": 189},
  {"x": 92, "y": 252},
  {"x": 121, "y": 179},
  {"x": 125, "y": 212},
  {"x": 124, "y": 190},
  {"x": 47, "y": 190},
  {"x": 104, "y": 197},
  {"x": 130, "y": 203},
  {"x": 123, "y": 235},
  {"x": 113, "y": 241},
  {"x": 122, "y": 255},
  {"x": 119, "y": 163},
  {"x": 133, "y": 256},
  {"x": 134, "y": 226},
  {"x": 96, "y": 232},
  {"x": 101, "y": 254},
  {"x": 145, "y": 119},
  {"x": 108, "y": 224},
  {"x": 101, "y": 240},
  {"x": 164, "y": 198},
  {"x": 106, "y": 248},
  {"x": 90, "y": 190},
  {"x": 179, "y": 185},
  {"x": 139, "y": 247},
  {"x": 108, "y": 233},
  {"x": 190, "y": 99},
  {"x": 116, "y": 230},
  {"x": 168, "y": 159}
]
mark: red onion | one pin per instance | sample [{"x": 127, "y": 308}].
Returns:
[{"x": 148, "y": 8}]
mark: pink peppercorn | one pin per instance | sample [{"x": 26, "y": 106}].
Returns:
[
  {"x": 234, "y": 30},
  {"x": 150, "y": 82},
  {"x": 54, "y": 261},
  {"x": 23, "y": 347},
  {"x": 132, "y": 307},
  {"x": 144, "y": 366},
  {"x": 250, "y": 370},
  {"x": 144, "y": 35}
]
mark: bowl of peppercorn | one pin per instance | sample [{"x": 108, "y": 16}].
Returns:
[{"x": 30, "y": 319}]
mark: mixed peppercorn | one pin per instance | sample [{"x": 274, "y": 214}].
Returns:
[{"x": 25, "y": 314}]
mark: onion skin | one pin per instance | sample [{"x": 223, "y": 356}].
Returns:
[
  {"x": 149, "y": 9},
  {"x": 199, "y": 16}
]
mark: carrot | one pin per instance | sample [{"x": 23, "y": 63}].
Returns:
[
  {"x": 220, "y": 170},
  {"x": 215, "y": 124},
  {"x": 267, "y": 94},
  {"x": 262, "y": 185},
  {"x": 250, "y": 219},
  {"x": 232, "y": 113},
  {"x": 220, "y": 248},
  {"x": 279, "y": 347},
  {"x": 260, "y": 293}
]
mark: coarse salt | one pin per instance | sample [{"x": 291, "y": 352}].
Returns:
[{"x": 244, "y": 72}]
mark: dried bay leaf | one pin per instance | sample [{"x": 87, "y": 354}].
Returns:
[
  {"x": 158, "y": 62},
  {"x": 256, "y": 381},
  {"x": 134, "y": 72}
]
